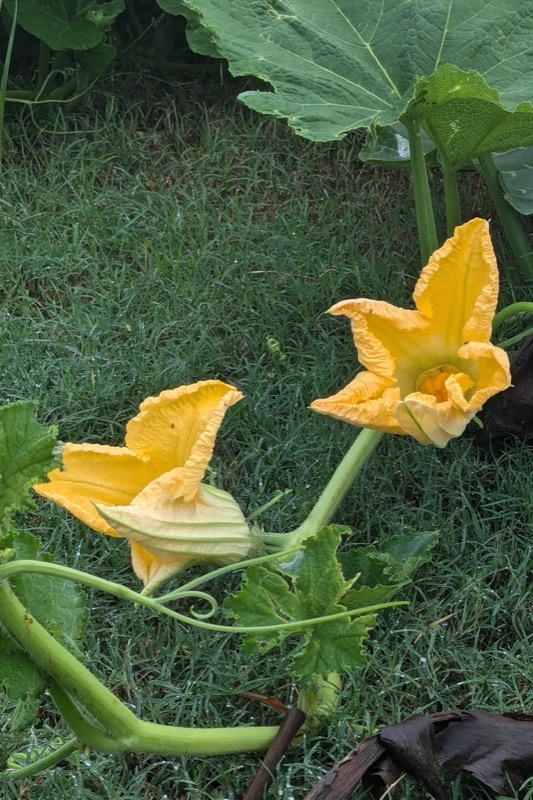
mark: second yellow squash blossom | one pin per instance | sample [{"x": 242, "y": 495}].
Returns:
[
  {"x": 151, "y": 491},
  {"x": 428, "y": 371}
]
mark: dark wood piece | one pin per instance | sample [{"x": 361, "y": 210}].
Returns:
[
  {"x": 292, "y": 722},
  {"x": 510, "y": 413}
]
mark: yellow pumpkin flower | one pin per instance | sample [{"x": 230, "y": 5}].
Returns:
[
  {"x": 150, "y": 491},
  {"x": 427, "y": 372}
]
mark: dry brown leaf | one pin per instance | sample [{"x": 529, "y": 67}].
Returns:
[{"x": 496, "y": 749}]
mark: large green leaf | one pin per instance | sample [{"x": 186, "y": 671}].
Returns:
[
  {"x": 66, "y": 24},
  {"x": 59, "y": 605},
  {"x": 337, "y": 65},
  {"x": 200, "y": 39},
  {"x": 26, "y": 455}
]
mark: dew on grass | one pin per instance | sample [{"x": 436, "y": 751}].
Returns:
[
  {"x": 285, "y": 791},
  {"x": 400, "y": 674}
]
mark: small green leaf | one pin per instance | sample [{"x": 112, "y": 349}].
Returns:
[
  {"x": 310, "y": 586},
  {"x": 313, "y": 585},
  {"x": 333, "y": 647},
  {"x": 389, "y": 147},
  {"x": 26, "y": 456},
  {"x": 466, "y": 118}
]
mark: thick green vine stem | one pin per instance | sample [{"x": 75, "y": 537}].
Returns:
[
  {"x": 83, "y": 694},
  {"x": 79, "y": 723},
  {"x": 63, "y": 667}
]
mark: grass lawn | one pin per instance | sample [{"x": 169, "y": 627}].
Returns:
[{"x": 143, "y": 247}]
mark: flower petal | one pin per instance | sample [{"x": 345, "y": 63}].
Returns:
[
  {"x": 489, "y": 367},
  {"x": 93, "y": 473},
  {"x": 388, "y": 339},
  {"x": 211, "y": 528},
  {"x": 152, "y": 571},
  {"x": 369, "y": 401},
  {"x": 202, "y": 449},
  {"x": 180, "y": 425},
  {"x": 458, "y": 289},
  {"x": 430, "y": 422}
]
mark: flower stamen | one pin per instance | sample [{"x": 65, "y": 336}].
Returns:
[{"x": 433, "y": 381}]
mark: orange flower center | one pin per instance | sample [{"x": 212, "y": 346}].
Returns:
[{"x": 432, "y": 381}]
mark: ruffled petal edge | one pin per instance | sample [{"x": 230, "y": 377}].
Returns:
[{"x": 369, "y": 401}]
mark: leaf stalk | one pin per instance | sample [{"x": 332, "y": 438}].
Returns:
[
  {"x": 332, "y": 496},
  {"x": 40, "y": 764},
  {"x": 427, "y": 231},
  {"x": 451, "y": 198},
  {"x": 509, "y": 311}
]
